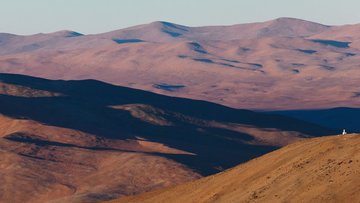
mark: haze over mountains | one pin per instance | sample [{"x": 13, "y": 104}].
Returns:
[{"x": 280, "y": 64}]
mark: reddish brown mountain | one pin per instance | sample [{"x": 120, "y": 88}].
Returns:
[{"x": 280, "y": 64}]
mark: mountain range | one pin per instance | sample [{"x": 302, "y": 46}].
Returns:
[{"x": 282, "y": 64}]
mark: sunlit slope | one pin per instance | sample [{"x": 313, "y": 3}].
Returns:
[{"x": 323, "y": 169}]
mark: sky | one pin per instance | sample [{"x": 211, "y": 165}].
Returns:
[{"x": 97, "y": 16}]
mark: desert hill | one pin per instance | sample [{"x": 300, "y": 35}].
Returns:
[
  {"x": 77, "y": 141},
  {"x": 316, "y": 170},
  {"x": 41, "y": 163},
  {"x": 272, "y": 65}
]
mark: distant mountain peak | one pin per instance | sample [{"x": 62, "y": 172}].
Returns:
[
  {"x": 167, "y": 24},
  {"x": 170, "y": 26},
  {"x": 169, "y": 29},
  {"x": 290, "y": 27},
  {"x": 289, "y": 20},
  {"x": 66, "y": 33}
]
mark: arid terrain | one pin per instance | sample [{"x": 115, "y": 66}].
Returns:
[
  {"x": 282, "y": 64},
  {"x": 156, "y": 113},
  {"x": 323, "y": 169},
  {"x": 76, "y": 141}
]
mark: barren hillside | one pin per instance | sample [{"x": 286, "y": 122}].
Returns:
[
  {"x": 316, "y": 170},
  {"x": 76, "y": 141}
]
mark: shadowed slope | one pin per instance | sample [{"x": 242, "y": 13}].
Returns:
[
  {"x": 98, "y": 128},
  {"x": 89, "y": 91},
  {"x": 341, "y": 118},
  {"x": 315, "y": 170},
  {"x": 42, "y": 162}
]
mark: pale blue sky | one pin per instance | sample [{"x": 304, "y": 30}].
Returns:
[{"x": 95, "y": 16}]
